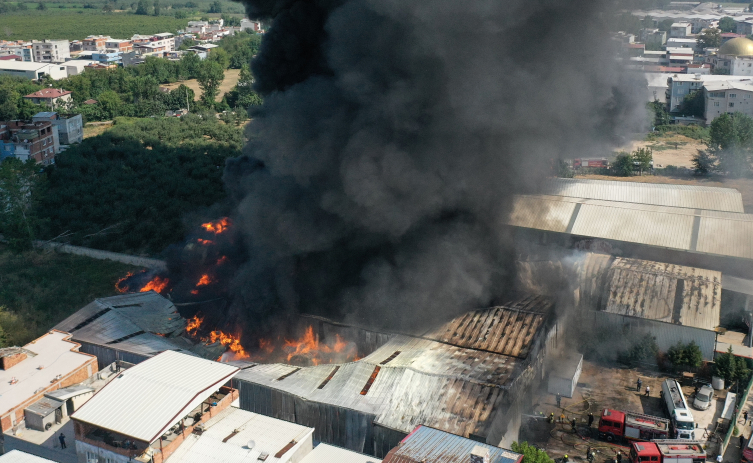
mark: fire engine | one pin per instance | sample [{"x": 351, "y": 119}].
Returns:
[
  {"x": 668, "y": 451},
  {"x": 592, "y": 162},
  {"x": 617, "y": 425}
]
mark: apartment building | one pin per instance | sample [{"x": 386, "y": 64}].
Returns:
[
  {"x": 95, "y": 43},
  {"x": 728, "y": 97},
  {"x": 52, "y": 97},
  {"x": 157, "y": 43},
  {"x": 51, "y": 51},
  {"x": 70, "y": 127},
  {"x": 118, "y": 45},
  {"x": 29, "y": 140},
  {"x": 681, "y": 85}
]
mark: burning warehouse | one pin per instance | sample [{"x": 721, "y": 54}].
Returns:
[{"x": 468, "y": 377}]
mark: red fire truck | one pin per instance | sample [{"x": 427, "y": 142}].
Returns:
[
  {"x": 593, "y": 162},
  {"x": 668, "y": 451},
  {"x": 616, "y": 425}
]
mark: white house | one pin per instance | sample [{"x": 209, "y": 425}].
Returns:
[{"x": 681, "y": 29}]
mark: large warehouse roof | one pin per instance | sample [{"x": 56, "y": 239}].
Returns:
[
  {"x": 146, "y": 399},
  {"x": 416, "y": 380},
  {"x": 17, "y": 456},
  {"x": 698, "y": 230},
  {"x": 665, "y": 292},
  {"x": 140, "y": 323},
  {"x": 657, "y": 194}
]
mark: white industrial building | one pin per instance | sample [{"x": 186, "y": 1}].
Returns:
[
  {"x": 16, "y": 456},
  {"x": 33, "y": 70}
]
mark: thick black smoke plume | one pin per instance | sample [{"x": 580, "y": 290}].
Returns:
[{"x": 393, "y": 136}]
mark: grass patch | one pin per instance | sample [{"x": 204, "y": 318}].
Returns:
[
  {"x": 39, "y": 289},
  {"x": 55, "y": 23},
  {"x": 691, "y": 131}
]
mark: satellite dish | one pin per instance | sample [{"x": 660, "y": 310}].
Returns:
[{"x": 251, "y": 444}]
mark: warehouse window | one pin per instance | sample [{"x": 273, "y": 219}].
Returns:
[
  {"x": 732, "y": 95},
  {"x": 732, "y": 105}
]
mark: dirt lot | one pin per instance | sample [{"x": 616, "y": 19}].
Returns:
[
  {"x": 743, "y": 185},
  {"x": 604, "y": 386},
  {"x": 231, "y": 78},
  {"x": 675, "y": 150},
  {"x": 92, "y": 129}
]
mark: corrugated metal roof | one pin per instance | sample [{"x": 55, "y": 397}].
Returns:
[
  {"x": 498, "y": 329},
  {"x": 133, "y": 323},
  {"x": 69, "y": 392},
  {"x": 324, "y": 453},
  {"x": 45, "y": 406},
  {"x": 688, "y": 196},
  {"x": 145, "y": 400},
  {"x": 704, "y": 231},
  {"x": 670, "y": 293},
  {"x": 17, "y": 456},
  {"x": 226, "y": 437},
  {"x": 432, "y": 445},
  {"x": 420, "y": 380}
]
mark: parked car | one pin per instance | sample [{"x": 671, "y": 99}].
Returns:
[{"x": 703, "y": 398}]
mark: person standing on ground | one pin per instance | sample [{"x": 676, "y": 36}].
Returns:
[
  {"x": 590, "y": 419},
  {"x": 640, "y": 383},
  {"x": 648, "y": 391},
  {"x": 745, "y": 417},
  {"x": 61, "y": 438},
  {"x": 742, "y": 440},
  {"x": 619, "y": 456}
]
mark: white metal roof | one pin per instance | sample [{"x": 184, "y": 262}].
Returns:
[
  {"x": 324, "y": 453},
  {"x": 239, "y": 427},
  {"x": 22, "y": 65},
  {"x": 145, "y": 400},
  {"x": 698, "y": 230},
  {"x": 657, "y": 194},
  {"x": 55, "y": 353},
  {"x": 17, "y": 456}
]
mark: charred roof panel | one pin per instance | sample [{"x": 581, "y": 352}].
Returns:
[
  {"x": 664, "y": 292},
  {"x": 687, "y": 196},
  {"x": 503, "y": 330}
]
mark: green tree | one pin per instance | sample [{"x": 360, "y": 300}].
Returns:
[
  {"x": 142, "y": 8},
  {"x": 702, "y": 163},
  {"x": 220, "y": 56},
  {"x": 530, "y": 453},
  {"x": 41, "y": 6},
  {"x": 693, "y": 355},
  {"x": 731, "y": 141},
  {"x": 20, "y": 190},
  {"x": 693, "y": 104},
  {"x": 665, "y": 25},
  {"x": 243, "y": 95},
  {"x": 231, "y": 21},
  {"x": 709, "y": 38},
  {"x": 156, "y": 8},
  {"x": 661, "y": 116},
  {"x": 642, "y": 158},
  {"x": 215, "y": 7},
  {"x": 110, "y": 104},
  {"x": 725, "y": 366},
  {"x": 180, "y": 14},
  {"x": 186, "y": 43},
  {"x": 623, "y": 165},
  {"x": 727, "y": 24},
  {"x": 107, "y": 8},
  {"x": 210, "y": 78}
]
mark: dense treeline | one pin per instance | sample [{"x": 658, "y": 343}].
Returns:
[{"x": 129, "y": 189}]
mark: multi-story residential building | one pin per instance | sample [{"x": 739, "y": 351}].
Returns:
[
  {"x": 95, "y": 43},
  {"x": 52, "y": 97},
  {"x": 118, "y": 45},
  {"x": 70, "y": 127},
  {"x": 156, "y": 43},
  {"x": 728, "y": 97},
  {"x": 199, "y": 27},
  {"x": 109, "y": 58},
  {"x": 681, "y": 29},
  {"x": 51, "y": 51},
  {"x": 29, "y": 140},
  {"x": 681, "y": 85},
  {"x": 247, "y": 24},
  {"x": 31, "y": 70},
  {"x": 744, "y": 26},
  {"x": 648, "y": 36}
]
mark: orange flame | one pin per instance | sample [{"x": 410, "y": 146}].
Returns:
[
  {"x": 205, "y": 280},
  {"x": 205, "y": 242},
  {"x": 221, "y": 260},
  {"x": 310, "y": 346},
  {"x": 266, "y": 345},
  {"x": 194, "y": 292},
  {"x": 194, "y": 323},
  {"x": 157, "y": 284},
  {"x": 231, "y": 342},
  {"x": 218, "y": 226},
  {"x": 120, "y": 281}
]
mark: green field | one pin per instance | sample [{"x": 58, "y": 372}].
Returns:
[
  {"x": 39, "y": 289},
  {"x": 77, "y": 24}
]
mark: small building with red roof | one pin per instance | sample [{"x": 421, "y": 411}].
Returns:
[{"x": 52, "y": 97}]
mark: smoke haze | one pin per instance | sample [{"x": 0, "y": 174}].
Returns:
[{"x": 392, "y": 138}]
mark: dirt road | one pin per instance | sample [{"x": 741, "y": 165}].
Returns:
[{"x": 675, "y": 150}]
